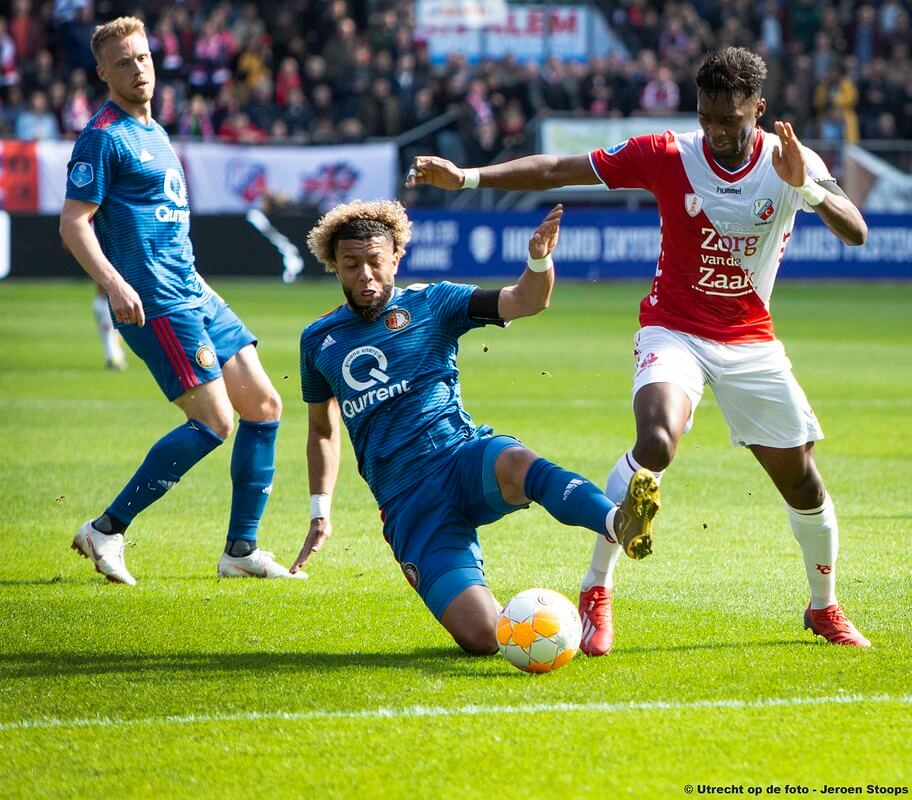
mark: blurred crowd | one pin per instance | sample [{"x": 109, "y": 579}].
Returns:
[{"x": 339, "y": 71}]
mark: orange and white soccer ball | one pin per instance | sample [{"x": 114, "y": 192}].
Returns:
[{"x": 539, "y": 630}]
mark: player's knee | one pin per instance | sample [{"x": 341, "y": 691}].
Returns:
[
  {"x": 272, "y": 407},
  {"x": 655, "y": 449},
  {"x": 807, "y": 492},
  {"x": 479, "y": 641},
  {"x": 267, "y": 407},
  {"x": 221, "y": 425}
]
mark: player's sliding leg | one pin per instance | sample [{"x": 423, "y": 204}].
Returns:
[
  {"x": 102, "y": 539},
  {"x": 815, "y": 529},
  {"x": 574, "y": 500},
  {"x": 252, "y": 468},
  {"x": 110, "y": 338},
  {"x": 471, "y": 619}
]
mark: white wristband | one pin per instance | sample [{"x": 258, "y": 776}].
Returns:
[
  {"x": 319, "y": 505},
  {"x": 812, "y": 192},
  {"x": 540, "y": 264},
  {"x": 471, "y": 178}
]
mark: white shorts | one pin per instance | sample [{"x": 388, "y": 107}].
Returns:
[{"x": 753, "y": 384}]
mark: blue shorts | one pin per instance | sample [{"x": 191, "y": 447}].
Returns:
[
  {"x": 188, "y": 348},
  {"x": 431, "y": 527}
]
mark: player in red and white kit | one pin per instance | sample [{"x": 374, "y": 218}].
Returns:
[{"x": 727, "y": 196}]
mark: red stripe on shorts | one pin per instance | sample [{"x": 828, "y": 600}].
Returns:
[{"x": 175, "y": 353}]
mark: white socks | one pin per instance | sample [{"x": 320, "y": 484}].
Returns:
[
  {"x": 605, "y": 555},
  {"x": 110, "y": 339},
  {"x": 817, "y": 533}
]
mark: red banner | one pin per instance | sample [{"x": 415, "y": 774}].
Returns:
[{"x": 18, "y": 176}]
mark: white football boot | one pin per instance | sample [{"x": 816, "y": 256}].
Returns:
[
  {"x": 258, "y": 564},
  {"x": 105, "y": 551}
]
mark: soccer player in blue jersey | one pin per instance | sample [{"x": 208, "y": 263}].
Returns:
[
  {"x": 125, "y": 178},
  {"x": 385, "y": 364}
]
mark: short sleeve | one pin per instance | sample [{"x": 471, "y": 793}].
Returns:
[
  {"x": 92, "y": 167},
  {"x": 631, "y": 164},
  {"x": 314, "y": 387},
  {"x": 449, "y": 302}
]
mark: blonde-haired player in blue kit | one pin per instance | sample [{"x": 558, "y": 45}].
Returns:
[
  {"x": 384, "y": 362},
  {"x": 126, "y": 180}
]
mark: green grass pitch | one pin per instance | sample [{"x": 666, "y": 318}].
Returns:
[{"x": 344, "y": 686}]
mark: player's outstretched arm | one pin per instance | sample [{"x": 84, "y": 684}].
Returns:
[
  {"x": 838, "y": 213},
  {"x": 323, "y": 446},
  {"x": 77, "y": 234},
  {"x": 532, "y": 292},
  {"x": 531, "y": 173}
]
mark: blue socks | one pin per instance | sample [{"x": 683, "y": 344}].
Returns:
[
  {"x": 165, "y": 464},
  {"x": 568, "y": 497},
  {"x": 252, "y": 470}
]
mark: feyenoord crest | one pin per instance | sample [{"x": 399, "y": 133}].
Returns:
[
  {"x": 411, "y": 574},
  {"x": 397, "y": 319},
  {"x": 693, "y": 204},
  {"x": 205, "y": 357}
]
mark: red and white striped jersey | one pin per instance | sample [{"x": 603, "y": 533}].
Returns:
[{"x": 723, "y": 232}]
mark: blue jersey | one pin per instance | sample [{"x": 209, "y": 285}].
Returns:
[
  {"x": 131, "y": 172},
  {"x": 396, "y": 381}
]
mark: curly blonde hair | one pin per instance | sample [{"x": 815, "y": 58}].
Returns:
[
  {"x": 385, "y": 215},
  {"x": 119, "y": 28}
]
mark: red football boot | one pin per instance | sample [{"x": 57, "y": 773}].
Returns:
[
  {"x": 832, "y": 624},
  {"x": 598, "y": 624}
]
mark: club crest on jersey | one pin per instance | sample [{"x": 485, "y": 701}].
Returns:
[
  {"x": 397, "y": 319},
  {"x": 693, "y": 204},
  {"x": 764, "y": 208},
  {"x": 82, "y": 174},
  {"x": 205, "y": 357},
  {"x": 411, "y": 574}
]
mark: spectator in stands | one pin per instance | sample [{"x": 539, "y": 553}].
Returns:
[
  {"x": 382, "y": 113},
  {"x": 254, "y": 64},
  {"x": 75, "y": 32},
  {"x": 558, "y": 91},
  {"x": 27, "y": 31},
  {"x": 9, "y": 72},
  {"x": 297, "y": 115},
  {"x": 249, "y": 28},
  {"x": 165, "y": 46},
  {"x": 339, "y": 50},
  {"x": 195, "y": 121},
  {"x": 873, "y": 99},
  {"x": 76, "y": 112},
  {"x": 167, "y": 112},
  {"x": 834, "y": 101},
  {"x": 661, "y": 94},
  {"x": 40, "y": 73},
  {"x": 213, "y": 53},
  {"x": 288, "y": 78},
  {"x": 238, "y": 129},
  {"x": 37, "y": 122},
  {"x": 261, "y": 108}
]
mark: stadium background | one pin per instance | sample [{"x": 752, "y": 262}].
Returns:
[{"x": 280, "y": 110}]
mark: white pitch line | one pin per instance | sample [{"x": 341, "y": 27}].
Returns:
[{"x": 461, "y": 711}]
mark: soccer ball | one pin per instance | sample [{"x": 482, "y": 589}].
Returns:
[{"x": 539, "y": 630}]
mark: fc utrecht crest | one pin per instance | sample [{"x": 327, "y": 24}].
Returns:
[{"x": 693, "y": 204}]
